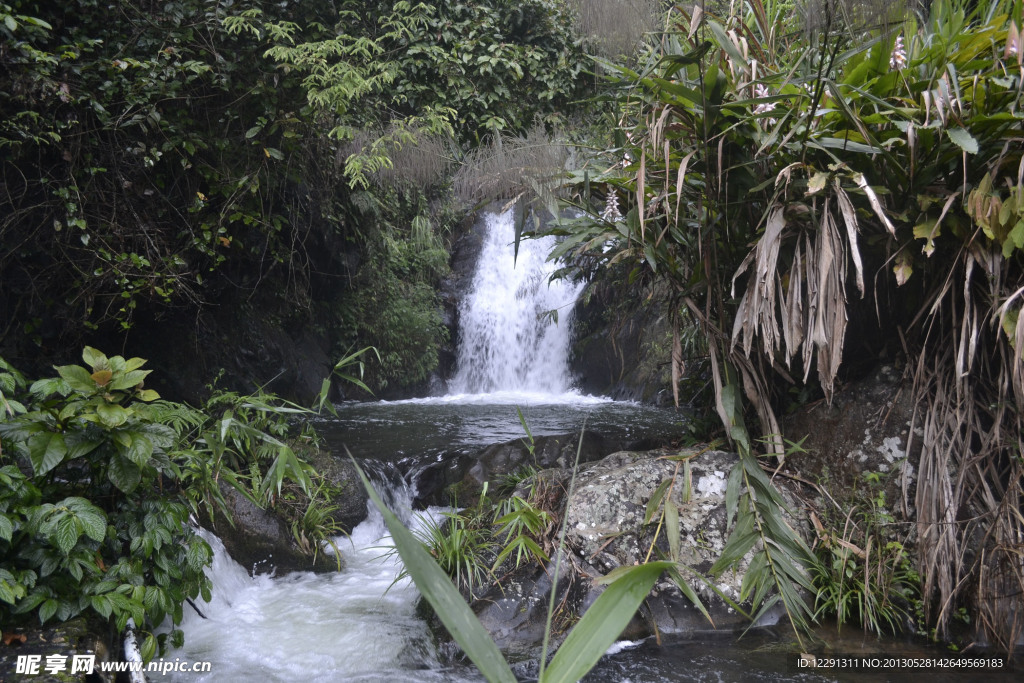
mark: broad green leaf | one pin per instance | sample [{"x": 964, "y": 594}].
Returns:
[
  {"x": 148, "y": 649},
  {"x": 134, "y": 364},
  {"x": 140, "y": 451},
  {"x": 129, "y": 380},
  {"x": 7, "y": 593},
  {"x": 67, "y": 533},
  {"x": 95, "y": 359},
  {"x": 102, "y": 605},
  {"x": 111, "y": 414},
  {"x": 962, "y": 139},
  {"x": 124, "y": 474},
  {"x": 6, "y": 528},
  {"x": 437, "y": 588},
  {"x": 93, "y": 522},
  {"x": 46, "y": 450},
  {"x": 78, "y": 378},
  {"x": 47, "y": 610},
  {"x": 603, "y": 623}
]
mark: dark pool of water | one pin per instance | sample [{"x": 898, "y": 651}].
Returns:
[{"x": 397, "y": 430}]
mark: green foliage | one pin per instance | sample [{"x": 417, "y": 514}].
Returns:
[
  {"x": 863, "y": 574},
  {"x": 87, "y": 530},
  {"x": 460, "y": 548},
  {"x": 397, "y": 308},
  {"x": 586, "y": 643},
  {"x": 428, "y": 69},
  {"x": 524, "y": 528},
  {"x": 778, "y": 571},
  {"x": 783, "y": 183},
  {"x": 97, "y": 478}
]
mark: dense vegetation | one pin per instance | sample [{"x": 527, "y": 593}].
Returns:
[
  {"x": 803, "y": 189},
  {"x": 161, "y": 160},
  {"x": 100, "y": 477},
  {"x": 783, "y": 175}
]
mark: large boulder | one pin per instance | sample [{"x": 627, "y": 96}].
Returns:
[
  {"x": 605, "y": 519},
  {"x": 261, "y": 541},
  {"x": 461, "y": 475},
  {"x": 606, "y": 528},
  {"x": 349, "y": 497}
]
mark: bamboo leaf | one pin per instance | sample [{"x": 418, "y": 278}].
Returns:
[
  {"x": 442, "y": 595},
  {"x": 603, "y": 623},
  {"x": 672, "y": 528},
  {"x": 655, "y": 500}
]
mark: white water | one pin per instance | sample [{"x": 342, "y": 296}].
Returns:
[
  {"x": 507, "y": 341},
  {"x": 349, "y": 626},
  {"x": 343, "y": 626}
]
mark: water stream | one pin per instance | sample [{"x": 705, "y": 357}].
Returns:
[{"x": 362, "y": 625}]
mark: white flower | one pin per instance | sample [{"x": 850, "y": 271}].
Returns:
[
  {"x": 611, "y": 211},
  {"x": 760, "y": 90},
  {"x": 898, "y": 60}
]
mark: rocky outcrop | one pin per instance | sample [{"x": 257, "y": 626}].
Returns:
[
  {"x": 461, "y": 476},
  {"x": 349, "y": 496},
  {"x": 605, "y": 519},
  {"x": 261, "y": 541},
  {"x": 621, "y": 353},
  {"x": 864, "y": 430}
]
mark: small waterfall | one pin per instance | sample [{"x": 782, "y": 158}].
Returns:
[{"x": 507, "y": 342}]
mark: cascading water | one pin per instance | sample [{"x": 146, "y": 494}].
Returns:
[
  {"x": 356, "y": 625},
  {"x": 507, "y": 340}
]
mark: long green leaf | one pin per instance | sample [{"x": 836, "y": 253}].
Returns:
[
  {"x": 603, "y": 623},
  {"x": 439, "y": 591}
]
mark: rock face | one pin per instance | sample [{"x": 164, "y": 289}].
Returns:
[
  {"x": 622, "y": 354},
  {"x": 605, "y": 518},
  {"x": 262, "y": 542},
  {"x": 606, "y": 528},
  {"x": 463, "y": 475},
  {"x": 865, "y": 430}
]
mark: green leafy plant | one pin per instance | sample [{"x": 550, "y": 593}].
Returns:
[
  {"x": 863, "y": 574},
  {"x": 580, "y": 651},
  {"x": 522, "y": 528},
  {"x": 460, "y": 547},
  {"x": 98, "y": 521},
  {"x": 89, "y": 528}
]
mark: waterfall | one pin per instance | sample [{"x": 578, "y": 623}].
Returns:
[{"x": 507, "y": 340}]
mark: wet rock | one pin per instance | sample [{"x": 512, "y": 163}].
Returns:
[
  {"x": 605, "y": 530},
  {"x": 514, "y": 611},
  {"x": 620, "y": 353},
  {"x": 261, "y": 541},
  {"x": 351, "y": 497},
  {"x": 461, "y": 476}
]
